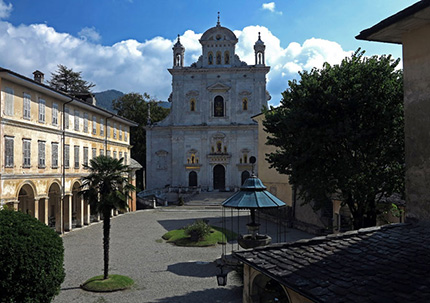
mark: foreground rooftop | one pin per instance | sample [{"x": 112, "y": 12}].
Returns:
[{"x": 379, "y": 264}]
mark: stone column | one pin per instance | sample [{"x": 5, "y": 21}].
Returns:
[
  {"x": 58, "y": 215},
  {"x": 80, "y": 210},
  {"x": 36, "y": 208},
  {"x": 13, "y": 205},
  {"x": 43, "y": 210},
  {"x": 67, "y": 204},
  {"x": 87, "y": 213}
]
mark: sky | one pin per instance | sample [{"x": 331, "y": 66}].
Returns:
[{"x": 127, "y": 44}]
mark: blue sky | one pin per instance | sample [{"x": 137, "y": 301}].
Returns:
[{"x": 126, "y": 44}]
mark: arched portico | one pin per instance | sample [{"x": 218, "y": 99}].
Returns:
[
  {"x": 26, "y": 201},
  {"x": 264, "y": 290},
  {"x": 80, "y": 208},
  {"x": 55, "y": 210}
]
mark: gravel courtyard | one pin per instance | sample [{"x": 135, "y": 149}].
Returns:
[{"x": 162, "y": 272}]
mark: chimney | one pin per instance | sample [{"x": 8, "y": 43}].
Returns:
[{"x": 39, "y": 76}]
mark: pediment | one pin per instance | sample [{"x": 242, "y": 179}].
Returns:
[
  {"x": 192, "y": 93},
  {"x": 245, "y": 93},
  {"x": 218, "y": 87}
]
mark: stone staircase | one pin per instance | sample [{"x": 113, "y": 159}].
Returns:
[{"x": 214, "y": 198}]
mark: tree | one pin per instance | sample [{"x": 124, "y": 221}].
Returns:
[
  {"x": 31, "y": 259},
  {"x": 134, "y": 106},
  {"x": 106, "y": 188},
  {"x": 339, "y": 133},
  {"x": 66, "y": 80}
]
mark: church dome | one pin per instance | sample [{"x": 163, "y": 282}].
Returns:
[{"x": 218, "y": 33}]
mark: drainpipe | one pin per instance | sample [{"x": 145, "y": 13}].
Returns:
[{"x": 63, "y": 177}]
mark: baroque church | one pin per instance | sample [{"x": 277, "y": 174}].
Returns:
[{"x": 209, "y": 139}]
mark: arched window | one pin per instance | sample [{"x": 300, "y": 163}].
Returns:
[
  {"x": 210, "y": 58},
  {"x": 219, "y": 106},
  {"x": 192, "y": 105},
  {"x": 245, "y": 104},
  {"x": 218, "y": 58},
  {"x": 227, "y": 58},
  {"x": 260, "y": 58}
]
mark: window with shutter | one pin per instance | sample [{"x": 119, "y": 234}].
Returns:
[
  {"x": 54, "y": 155},
  {"x": 66, "y": 156},
  {"x": 8, "y": 144},
  {"x": 55, "y": 114},
  {"x": 9, "y": 101},
  {"x": 27, "y": 106},
  {"x": 26, "y": 150},
  {"x": 42, "y": 104},
  {"x": 41, "y": 148}
]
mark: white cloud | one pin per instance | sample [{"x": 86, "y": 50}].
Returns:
[
  {"x": 271, "y": 6},
  {"x": 5, "y": 9},
  {"x": 89, "y": 33},
  {"x": 134, "y": 66}
]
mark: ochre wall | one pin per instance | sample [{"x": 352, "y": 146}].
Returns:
[{"x": 416, "y": 65}]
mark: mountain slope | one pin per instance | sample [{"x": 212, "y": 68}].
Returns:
[{"x": 105, "y": 98}]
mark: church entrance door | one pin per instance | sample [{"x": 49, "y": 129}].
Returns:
[
  {"x": 192, "y": 179},
  {"x": 245, "y": 175},
  {"x": 219, "y": 177}
]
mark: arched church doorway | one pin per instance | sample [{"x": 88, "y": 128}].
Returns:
[
  {"x": 245, "y": 175},
  {"x": 219, "y": 177},
  {"x": 192, "y": 179},
  {"x": 26, "y": 200},
  {"x": 265, "y": 290}
]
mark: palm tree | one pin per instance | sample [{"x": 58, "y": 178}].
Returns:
[{"x": 106, "y": 188}]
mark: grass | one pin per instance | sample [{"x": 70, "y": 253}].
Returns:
[
  {"x": 113, "y": 283},
  {"x": 217, "y": 235}
]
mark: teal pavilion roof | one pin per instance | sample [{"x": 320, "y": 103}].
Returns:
[{"x": 253, "y": 194}]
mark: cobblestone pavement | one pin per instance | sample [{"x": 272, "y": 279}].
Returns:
[{"x": 162, "y": 272}]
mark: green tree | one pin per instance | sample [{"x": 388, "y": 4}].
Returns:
[
  {"x": 31, "y": 259},
  {"x": 135, "y": 107},
  {"x": 106, "y": 188},
  {"x": 339, "y": 133},
  {"x": 66, "y": 80}
]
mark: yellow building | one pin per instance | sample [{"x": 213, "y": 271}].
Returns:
[{"x": 46, "y": 137}]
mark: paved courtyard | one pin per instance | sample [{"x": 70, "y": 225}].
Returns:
[{"x": 162, "y": 272}]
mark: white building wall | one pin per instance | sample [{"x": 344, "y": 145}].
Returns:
[{"x": 184, "y": 130}]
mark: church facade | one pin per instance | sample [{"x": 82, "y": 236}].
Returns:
[{"x": 209, "y": 138}]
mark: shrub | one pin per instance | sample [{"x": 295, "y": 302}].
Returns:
[
  {"x": 198, "y": 230},
  {"x": 31, "y": 259}
]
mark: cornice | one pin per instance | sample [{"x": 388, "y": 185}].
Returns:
[
  {"x": 206, "y": 127},
  {"x": 237, "y": 69}
]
